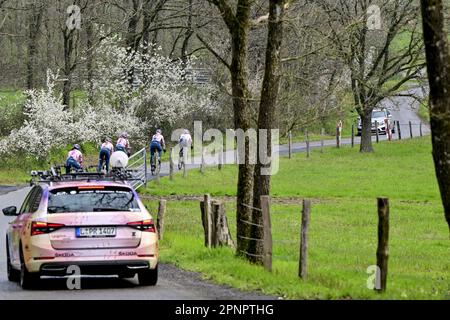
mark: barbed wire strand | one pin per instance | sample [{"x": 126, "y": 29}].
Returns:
[
  {"x": 251, "y": 254},
  {"x": 251, "y": 223},
  {"x": 251, "y": 207},
  {"x": 253, "y": 239}
]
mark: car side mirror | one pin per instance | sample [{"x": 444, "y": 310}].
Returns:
[{"x": 10, "y": 211}]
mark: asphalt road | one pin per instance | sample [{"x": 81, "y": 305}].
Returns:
[{"x": 173, "y": 283}]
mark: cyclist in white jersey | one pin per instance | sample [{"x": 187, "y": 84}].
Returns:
[{"x": 157, "y": 145}]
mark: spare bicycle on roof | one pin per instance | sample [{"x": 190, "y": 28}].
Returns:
[{"x": 55, "y": 175}]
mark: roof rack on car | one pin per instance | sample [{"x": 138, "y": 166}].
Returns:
[{"x": 55, "y": 175}]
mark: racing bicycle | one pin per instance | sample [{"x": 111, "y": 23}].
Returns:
[{"x": 156, "y": 164}]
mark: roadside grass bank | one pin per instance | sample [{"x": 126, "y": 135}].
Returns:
[
  {"x": 343, "y": 231},
  {"x": 401, "y": 170},
  {"x": 15, "y": 170}
]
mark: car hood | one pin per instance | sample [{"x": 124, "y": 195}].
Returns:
[{"x": 379, "y": 120}]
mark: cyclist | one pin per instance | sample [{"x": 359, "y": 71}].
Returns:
[
  {"x": 185, "y": 142},
  {"x": 123, "y": 144},
  {"x": 106, "y": 151},
  {"x": 74, "y": 159},
  {"x": 157, "y": 144}
]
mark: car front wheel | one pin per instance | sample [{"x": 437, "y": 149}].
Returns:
[{"x": 148, "y": 277}]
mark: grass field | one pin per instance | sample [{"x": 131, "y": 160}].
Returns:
[
  {"x": 424, "y": 113},
  {"x": 343, "y": 234},
  {"x": 15, "y": 170}
]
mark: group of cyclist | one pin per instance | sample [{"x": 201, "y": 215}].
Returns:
[{"x": 157, "y": 145}]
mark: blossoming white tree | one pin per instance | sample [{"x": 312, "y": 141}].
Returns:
[
  {"x": 46, "y": 124},
  {"x": 149, "y": 84},
  {"x": 158, "y": 91},
  {"x": 49, "y": 126}
]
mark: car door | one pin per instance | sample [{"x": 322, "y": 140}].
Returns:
[{"x": 19, "y": 224}]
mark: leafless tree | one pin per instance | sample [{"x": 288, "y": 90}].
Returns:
[
  {"x": 378, "y": 65},
  {"x": 36, "y": 13},
  {"x": 237, "y": 22},
  {"x": 267, "y": 119}
]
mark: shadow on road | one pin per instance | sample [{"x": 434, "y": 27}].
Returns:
[{"x": 60, "y": 283}]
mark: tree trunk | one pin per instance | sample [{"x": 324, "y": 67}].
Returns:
[
  {"x": 68, "y": 48},
  {"x": 366, "y": 133},
  {"x": 266, "y": 120},
  {"x": 34, "y": 26},
  {"x": 187, "y": 36},
  {"x": 242, "y": 120},
  {"x": 90, "y": 60},
  {"x": 238, "y": 25},
  {"x": 146, "y": 25},
  {"x": 131, "y": 39},
  {"x": 49, "y": 35},
  {"x": 150, "y": 15},
  {"x": 438, "y": 64}
]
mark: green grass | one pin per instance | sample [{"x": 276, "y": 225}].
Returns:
[
  {"x": 15, "y": 170},
  {"x": 11, "y": 107},
  {"x": 342, "y": 173},
  {"x": 424, "y": 112},
  {"x": 11, "y": 97},
  {"x": 343, "y": 233}
]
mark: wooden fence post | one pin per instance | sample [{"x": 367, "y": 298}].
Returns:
[
  {"x": 337, "y": 138},
  {"x": 388, "y": 127},
  {"x": 220, "y": 160},
  {"x": 290, "y": 144},
  {"x": 399, "y": 130},
  {"x": 306, "y": 216},
  {"x": 202, "y": 165},
  {"x": 185, "y": 173},
  {"x": 322, "y": 133},
  {"x": 376, "y": 130},
  {"x": 410, "y": 130},
  {"x": 420, "y": 129},
  {"x": 353, "y": 135},
  {"x": 160, "y": 220},
  {"x": 158, "y": 169},
  {"x": 221, "y": 235},
  {"x": 267, "y": 229},
  {"x": 383, "y": 241},
  {"x": 308, "y": 150},
  {"x": 171, "y": 164},
  {"x": 338, "y": 134},
  {"x": 205, "y": 207}
]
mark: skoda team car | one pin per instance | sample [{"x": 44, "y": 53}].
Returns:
[
  {"x": 102, "y": 227},
  {"x": 378, "y": 119}
]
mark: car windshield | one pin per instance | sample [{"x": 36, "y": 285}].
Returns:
[
  {"x": 91, "y": 199},
  {"x": 378, "y": 114}
]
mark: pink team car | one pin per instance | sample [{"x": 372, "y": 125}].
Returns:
[{"x": 100, "y": 226}]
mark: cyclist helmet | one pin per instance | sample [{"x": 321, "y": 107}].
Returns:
[
  {"x": 108, "y": 139},
  {"x": 76, "y": 146},
  {"x": 159, "y": 131},
  {"x": 124, "y": 135}
]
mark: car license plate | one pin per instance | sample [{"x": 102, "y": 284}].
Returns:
[{"x": 96, "y": 232}]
